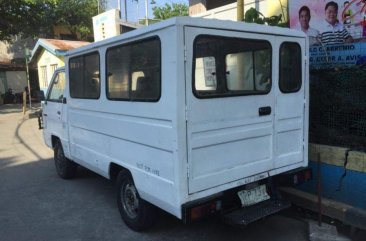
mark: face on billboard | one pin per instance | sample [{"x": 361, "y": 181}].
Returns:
[
  {"x": 304, "y": 19},
  {"x": 331, "y": 14}
]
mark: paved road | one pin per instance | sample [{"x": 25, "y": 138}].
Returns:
[{"x": 35, "y": 204}]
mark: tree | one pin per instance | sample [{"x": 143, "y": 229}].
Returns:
[
  {"x": 254, "y": 16},
  {"x": 168, "y": 11},
  {"x": 34, "y": 18}
]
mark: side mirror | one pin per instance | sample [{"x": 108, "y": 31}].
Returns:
[{"x": 64, "y": 100}]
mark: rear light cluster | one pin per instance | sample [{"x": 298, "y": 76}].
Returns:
[
  {"x": 205, "y": 209},
  {"x": 302, "y": 176}
]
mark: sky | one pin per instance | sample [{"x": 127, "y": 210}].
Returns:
[{"x": 132, "y": 7}]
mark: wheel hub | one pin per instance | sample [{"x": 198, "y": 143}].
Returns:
[{"x": 130, "y": 200}]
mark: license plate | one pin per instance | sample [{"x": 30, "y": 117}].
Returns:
[{"x": 253, "y": 196}]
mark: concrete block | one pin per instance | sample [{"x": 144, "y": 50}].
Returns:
[
  {"x": 325, "y": 232},
  {"x": 332, "y": 155},
  {"x": 356, "y": 161},
  {"x": 313, "y": 151}
]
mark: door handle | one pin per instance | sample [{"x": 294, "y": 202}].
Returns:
[
  {"x": 266, "y": 110},
  {"x": 44, "y": 114}
]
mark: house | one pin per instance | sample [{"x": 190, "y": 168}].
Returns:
[
  {"x": 13, "y": 75},
  {"x": 49, "y": 54},
  {"x": 227, "y": 9}
]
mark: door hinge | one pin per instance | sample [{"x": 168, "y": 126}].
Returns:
[
  {"x": 186, "y": 113},
  {"x": 185, "y": 54}
]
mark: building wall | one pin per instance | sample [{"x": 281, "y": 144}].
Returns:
[
  {"x": 47, "y": 63},
  {"x": 17, "y": 80},
  {"x": 106, "y": 25},
  {"x": 198, "y": 8},
  {"x": 13, "y": 52},
  {"x": 61, "y": 32}
]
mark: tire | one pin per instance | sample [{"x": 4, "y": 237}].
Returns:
[
  {"x": 65, "y": 168},
  {"x": 137, "y": 214}
]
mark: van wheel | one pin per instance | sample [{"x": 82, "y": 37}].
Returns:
[
  {"x": 65, "y": 168},
  {"x": 136, "y": 212}
]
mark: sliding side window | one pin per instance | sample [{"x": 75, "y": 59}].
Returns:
[
  {"x": 133, "y": 71},
  {"x": 231, "y": 66},
  {"x": 84, "y": 76}
]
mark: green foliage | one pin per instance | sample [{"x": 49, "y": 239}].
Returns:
[
  {"x": 254, "y": 16},
  {"x": 168, "y": 11},
  {"x": 36, "y": 18}
]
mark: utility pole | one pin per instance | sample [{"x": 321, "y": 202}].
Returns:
[
  {"x": 27, "y": 55},
  {"x": 146, "y": 12},
  {"x": 137, "y": 13},
  {"x": 126, "y": 10},
  {"x": 119, "y": 8},
  {"x": 240, "y": 10}
]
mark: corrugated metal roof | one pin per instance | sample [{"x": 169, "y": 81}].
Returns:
[
  {"x": 57, "y": 47},
  {"x": 64, "y": 45}
]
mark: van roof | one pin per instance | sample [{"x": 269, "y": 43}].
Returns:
[{"x": 195, "y": 22}]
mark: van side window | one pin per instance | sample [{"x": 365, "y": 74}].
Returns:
[
  {"x": 290, "y": 67},
  {"x": 57, "y": 87},
  {"x": 133, "y": 71},
  {"x": 231, "y": 66},
  {"x": 84, "y": 76}
]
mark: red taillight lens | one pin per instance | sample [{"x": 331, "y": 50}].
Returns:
[{"x": 205, "y": 209}]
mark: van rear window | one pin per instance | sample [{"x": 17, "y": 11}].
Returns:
[
  {"x": 231, "y": 66},
  {"x": 290, "y": 67}
]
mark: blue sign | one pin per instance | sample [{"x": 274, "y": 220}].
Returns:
[{"x": 337, "y": 56}]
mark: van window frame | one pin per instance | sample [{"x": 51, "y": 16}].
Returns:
[
  {"x": 129, "y": 99},
  {"x": 228, "y": 93},
  {"x": 299, "y": 73},
  {"x": 83, "y": 56},
  {"x": 52, "y": 84}
]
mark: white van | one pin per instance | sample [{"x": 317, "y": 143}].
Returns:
[{"x": 194, "y": 116}]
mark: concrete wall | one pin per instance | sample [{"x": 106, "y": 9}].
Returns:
[
  {"x": 16, "y": 80},
  {"x": 106, "y": 25},
  {"x": 14, "y": 51}
]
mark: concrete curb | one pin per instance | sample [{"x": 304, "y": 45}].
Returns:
[
  {"x": 347, "y": 214},
  {"x": 325, "y": 232}
]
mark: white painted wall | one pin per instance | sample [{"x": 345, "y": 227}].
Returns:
[
  {"x": 229, "y": 12},
  {"x": 106, "y": 25}
]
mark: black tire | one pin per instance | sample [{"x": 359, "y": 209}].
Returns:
[
  {"x": 137, "y": 214},
  {"x": 65, "y": 168}
]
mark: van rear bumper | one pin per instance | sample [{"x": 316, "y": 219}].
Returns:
[{"x": 229, "y": 205}]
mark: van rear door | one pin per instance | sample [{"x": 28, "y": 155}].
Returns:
[
  {"x": 230, "y": 102},
  {"x": 291, "y": 113}
]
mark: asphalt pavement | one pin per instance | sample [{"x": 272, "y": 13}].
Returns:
[{"x": 36, "y": 205}]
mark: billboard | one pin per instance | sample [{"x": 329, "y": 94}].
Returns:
[{"x": 336, "y": 30}]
